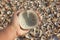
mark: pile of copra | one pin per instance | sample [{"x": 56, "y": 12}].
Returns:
[{"x": 49, "y": 29}]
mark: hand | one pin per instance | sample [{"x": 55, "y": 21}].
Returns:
[{"x": 15, "y": 22}]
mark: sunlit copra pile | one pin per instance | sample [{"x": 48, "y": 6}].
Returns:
[{"x": 49, "y": 29}]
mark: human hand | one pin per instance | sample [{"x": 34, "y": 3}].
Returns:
[{"x": 15, "y": 23}]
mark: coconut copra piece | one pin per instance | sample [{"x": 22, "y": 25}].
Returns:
[{"x": 28, "y": 19}]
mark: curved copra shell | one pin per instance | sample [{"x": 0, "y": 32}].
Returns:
[{"x": 23, "y": 21}]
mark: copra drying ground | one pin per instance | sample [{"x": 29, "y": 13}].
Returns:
[{"x": 49, "y": 10}]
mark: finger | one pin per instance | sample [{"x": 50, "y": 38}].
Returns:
[
  {"x": 23, "y": 32},
  {"x": 26, "y": 31},
  {"x": 18, "y": 12},
  {"x": 39, "y": 16}
]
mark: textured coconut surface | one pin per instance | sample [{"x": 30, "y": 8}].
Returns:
[{"x": 49, "y": 29}]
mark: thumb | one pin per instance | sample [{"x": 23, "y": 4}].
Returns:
[{"x": 18, "y": 12}]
